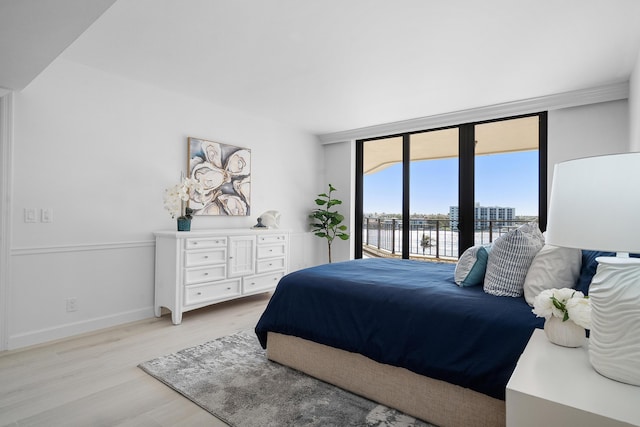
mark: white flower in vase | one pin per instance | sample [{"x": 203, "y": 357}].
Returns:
[
  {"x": 564, "y": 303},
  {"x": 175, "y": 197},
  {"x": 567, "y": 313},
  {"x": 579, "y": 310}
]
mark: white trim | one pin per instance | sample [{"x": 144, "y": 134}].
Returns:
[
  {"x": 611, "y": 92},
  {"x": 37, "y": 250},
  {"x": 72, "y": 329},
  {"x": 6, "y": 171}
]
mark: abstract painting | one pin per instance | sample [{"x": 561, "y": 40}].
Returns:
[{"x": 223, "y": 178}]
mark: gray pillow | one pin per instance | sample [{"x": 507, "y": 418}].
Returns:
[
  {"x": 552, "y": 267},
  {"x": 510, "y": 258}
]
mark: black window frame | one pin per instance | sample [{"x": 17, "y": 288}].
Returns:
[{"x": 466, "y": 183}]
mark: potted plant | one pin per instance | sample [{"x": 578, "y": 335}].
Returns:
[
  {"x": 175, "y": 201},
  {"x": 327, "y": 223},
  {"x": 567, "y": 313}
]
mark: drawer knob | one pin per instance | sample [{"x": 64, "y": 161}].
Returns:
[
  {"x": 199, "y": 293},
  {"x": 270, "y": 250},
  {"x": 206, "y": 257},
  {"x": 195, "y": 243},
  {"x": 228, "y": 289},
  {"x": 206, "y": 274}
]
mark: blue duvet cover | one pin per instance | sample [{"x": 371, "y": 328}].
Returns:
[{"x": 405, "y": 313}]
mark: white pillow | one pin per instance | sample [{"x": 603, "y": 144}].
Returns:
[
  {"x": 510, "y": 258},
  {"x": 471, "y": 266},
  {"x": 552, "y": 267}
]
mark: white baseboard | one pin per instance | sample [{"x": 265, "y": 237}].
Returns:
[{"x": 71, "y": 329}]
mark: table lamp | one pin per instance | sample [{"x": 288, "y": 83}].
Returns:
[{"x": 595, "y": 205}]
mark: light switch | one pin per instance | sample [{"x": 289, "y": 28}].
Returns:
[
  {"x": 30, "y": 215},
  {"x": 47, "y": 215}
]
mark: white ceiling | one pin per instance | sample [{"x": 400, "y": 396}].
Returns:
[
  {"x": 34, "y": 32},
  {"x": 332, "y": 65}
]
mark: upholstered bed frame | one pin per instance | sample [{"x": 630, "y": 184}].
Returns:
[{"x": 432, "y": 400}]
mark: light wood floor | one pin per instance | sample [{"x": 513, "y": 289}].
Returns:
[{"x": 93, "y": 380}]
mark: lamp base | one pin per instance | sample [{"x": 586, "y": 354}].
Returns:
[{"x": 614, "y": 340}]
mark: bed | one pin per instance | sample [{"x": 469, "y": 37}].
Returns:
[{"x": 402, "y": 333}]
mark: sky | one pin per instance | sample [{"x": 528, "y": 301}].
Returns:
[{"x": 507, "y": 180}]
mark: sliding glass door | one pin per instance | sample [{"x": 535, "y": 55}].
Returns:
[
  {"x": 382, "y": 195},
  {"x": 506, "y": 176},
  {"x": 432, "y": 194},
  {"x": 433, "y": 189}
]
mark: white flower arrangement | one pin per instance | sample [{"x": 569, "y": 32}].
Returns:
[
  {"x": 564, "y": 303},
  {"x": 176, "y": 196}
]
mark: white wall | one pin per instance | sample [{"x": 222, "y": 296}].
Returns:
[
  {"x": 588, "y": 130},
  {"x": 339, "y": 171},
  {"x": 99, "y": 151},
  {"x": 634, "y": 107}
]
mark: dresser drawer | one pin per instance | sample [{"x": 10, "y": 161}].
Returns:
[
  {"x": 205, "y": 274},
  {"x": 211, "y": 291},
  {"x": 206, "y": 257},
  {"x": 271, "y": 238},
  {"x": 270, "y": 265},
  {"x": 268, "y": 251},
  {"x": 261, "y": 283},
  {"x": 203, "y": 243}
]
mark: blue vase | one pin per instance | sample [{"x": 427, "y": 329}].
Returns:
[{"x": 184, "y": 224}]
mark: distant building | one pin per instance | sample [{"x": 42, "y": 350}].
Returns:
[{"x": 500, "y": 216}]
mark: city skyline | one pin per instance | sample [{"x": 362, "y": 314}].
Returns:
[{"x": 506, "y": 179}]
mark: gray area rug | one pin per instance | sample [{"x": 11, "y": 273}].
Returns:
[{"x": 232, "y": 379}]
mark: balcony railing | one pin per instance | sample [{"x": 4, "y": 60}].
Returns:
[{"x": 429, "y": 238}]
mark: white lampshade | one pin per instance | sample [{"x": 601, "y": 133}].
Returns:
[{"x": 595, "y": 204}]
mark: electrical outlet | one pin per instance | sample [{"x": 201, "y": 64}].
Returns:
[{"x": 72, "y": 304}]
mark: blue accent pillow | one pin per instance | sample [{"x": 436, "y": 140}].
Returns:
[
  {"x": 472, "y": 265},
  {"x": 589, "y": 266}
]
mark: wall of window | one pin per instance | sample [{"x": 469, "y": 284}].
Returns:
[{"x": 434, "y": 193}]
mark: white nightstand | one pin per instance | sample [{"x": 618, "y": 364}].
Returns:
[{"x": 556, "y": 386}]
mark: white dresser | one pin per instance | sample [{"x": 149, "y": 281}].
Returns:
[{"x": 198, "y": 268}]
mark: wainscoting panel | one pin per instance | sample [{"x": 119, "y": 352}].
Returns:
[{"x": 57, "y": 292}]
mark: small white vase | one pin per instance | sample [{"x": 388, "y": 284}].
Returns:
[{"x": 566, "y": 334}]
